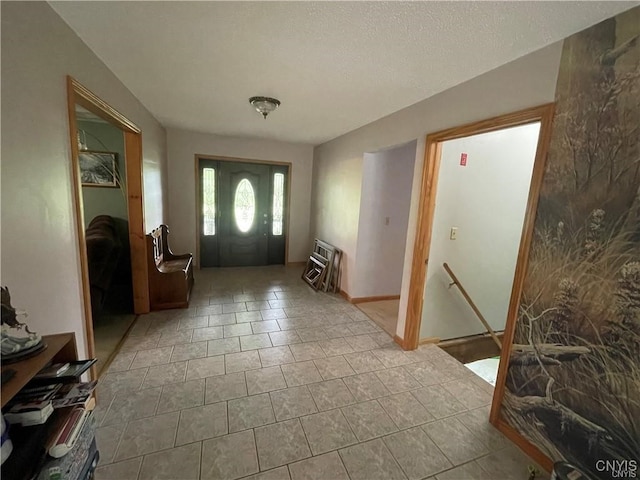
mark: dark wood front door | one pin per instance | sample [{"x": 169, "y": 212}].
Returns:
[{"x": 242, "y": 212}]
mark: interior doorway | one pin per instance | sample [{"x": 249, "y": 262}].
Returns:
[
  {"x": 430, "y": 237},
  {"x": 106, "y": 226},
  {"x": 385, "y": 202},
  {"x": 107, "y": 186},
  {"x": 483, "y": 185},
  {"x": 242, "y": 212}
]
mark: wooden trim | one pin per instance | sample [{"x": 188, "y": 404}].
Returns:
[
  {"x": 521, "y": 117},
  {"x": 218, "y": 158},
  {"x": 523, "y": 444},
  {"x": 240, "y": 160},
  {"x": 89, "y": 100},
  {"x": 422, "y": 243},
  {"x": 379, "y": 298},
  {"x": 544, "y": 139},
  {"x": 85, "y": 289},
  {"x": 135, "y": 207},
  {"x": 398, "y": 340},
  {"x": 356, "y": 300},
  {"x": 80, "y": 95},
  {"x": 428, "y": 190},
  {"x": 427, "y": 340}
]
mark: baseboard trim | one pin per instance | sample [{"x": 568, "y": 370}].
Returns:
[
  {"x": 296, "y": 264},
  {"x": 399, "y": 341},
  {"x": 426, "y": 340},
  {"x": 346, "y": 296},
  {"x": 378, "y": 298}
]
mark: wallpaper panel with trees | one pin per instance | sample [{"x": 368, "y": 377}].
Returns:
[{"x": 573, "y": 384}]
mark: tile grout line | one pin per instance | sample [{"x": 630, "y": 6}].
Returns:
[{"x": 352, "y": 334}]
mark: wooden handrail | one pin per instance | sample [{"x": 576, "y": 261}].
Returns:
[{"x": 466, "y": 296}]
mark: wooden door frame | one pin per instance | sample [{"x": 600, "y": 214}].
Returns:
[
  {"x": 422, "y": 244},
  {"x": 77, "y": 94},
  {"x": 287, "y": 215}
]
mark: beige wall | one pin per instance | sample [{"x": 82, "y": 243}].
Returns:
[
  {"x": 525, "y": 82},
  {"x": 183, "y": 145},
  {"x": 40, "y": 262}
]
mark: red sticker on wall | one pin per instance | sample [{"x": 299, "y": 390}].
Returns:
[{"x": 463, "y": 159}]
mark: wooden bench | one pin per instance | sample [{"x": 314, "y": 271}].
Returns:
[{"x": 170, "y": 276}]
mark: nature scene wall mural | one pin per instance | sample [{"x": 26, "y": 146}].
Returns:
[{"x": 573, "y": 384}]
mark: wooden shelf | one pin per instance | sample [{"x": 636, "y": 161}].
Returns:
[{"x": 60, "y": 348}]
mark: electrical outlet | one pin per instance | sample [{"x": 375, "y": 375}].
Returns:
[{"x": 453, "y": 233}]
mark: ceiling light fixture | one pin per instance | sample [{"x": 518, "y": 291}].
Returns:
[{"x": 264, "y": 105}]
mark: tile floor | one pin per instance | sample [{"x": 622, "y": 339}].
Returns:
[
  {"x": 264, "y": 378},
  {"x": 108, "y": 331}
]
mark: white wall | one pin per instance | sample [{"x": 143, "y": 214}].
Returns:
[
  {"x": 523, "y": 83},
  {"x": 183, "y": 145},
  {"x": 486, "y": 200},
  {"x": 386, "y": 195},
  {"x": 40, "y": 262}
]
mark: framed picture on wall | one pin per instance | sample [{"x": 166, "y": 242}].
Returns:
[{"x": 98, "y": 169}]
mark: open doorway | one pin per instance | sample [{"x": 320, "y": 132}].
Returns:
[
  {"x": 107, "y": 174},
  {"x": 480, "y": 185},
  {"x": 483, "y": 185},
  {"x": 105, "y": 222},
  {"x": 385, "y": 201}
]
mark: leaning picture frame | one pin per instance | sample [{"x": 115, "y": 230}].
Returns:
[{"x": 98, "y": 169}]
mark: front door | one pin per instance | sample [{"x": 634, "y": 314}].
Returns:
[{"x": 242, "y": 215}]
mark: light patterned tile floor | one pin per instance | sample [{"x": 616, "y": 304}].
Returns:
[{"x": 264, "y": 378}]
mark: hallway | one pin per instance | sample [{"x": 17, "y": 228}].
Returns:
[{"x": 262, "y": 375}]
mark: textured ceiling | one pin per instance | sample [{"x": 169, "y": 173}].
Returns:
[{"x": 334, "y": 65}]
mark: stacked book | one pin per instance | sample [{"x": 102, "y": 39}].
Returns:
[
  {"x": 55, "y": 386},
  {"x": 48, "y": 418}
]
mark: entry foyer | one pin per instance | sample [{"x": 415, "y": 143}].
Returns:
[{"x": 264, "y": 378}]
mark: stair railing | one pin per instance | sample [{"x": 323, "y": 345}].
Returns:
[{"x": 466, "y": 296}]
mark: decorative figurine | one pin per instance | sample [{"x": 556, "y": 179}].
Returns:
[{"x": 15, "y": 344}]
